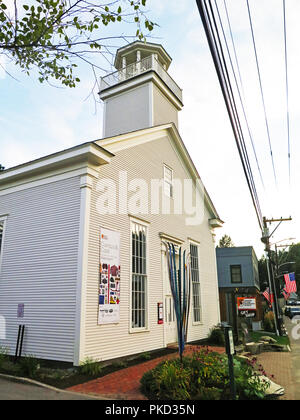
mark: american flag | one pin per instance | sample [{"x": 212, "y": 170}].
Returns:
[
  {"x": 290, "y": 282},
  {"x": 270, "y": 298},
  {"x": 285, "y": 294}
]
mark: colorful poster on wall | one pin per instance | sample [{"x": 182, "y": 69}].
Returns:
[{"x": 109, "y": 277}]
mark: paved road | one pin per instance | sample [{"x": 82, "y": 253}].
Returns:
[
  {"x": 293, "y": 328},
  {"x": 18, "y": 391}
]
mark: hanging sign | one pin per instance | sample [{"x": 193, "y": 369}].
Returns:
[
  {"x": 109, "y": 281},
  {"x": 247, "y": 314},
  {"x": 246, "y": 303}
]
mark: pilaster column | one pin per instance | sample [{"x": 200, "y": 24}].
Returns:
[{"x": 86, "y": 185}]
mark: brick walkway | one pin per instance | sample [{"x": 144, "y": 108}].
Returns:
[
  {"x": 124, "y": 384},
  {"x": 280, "y": 365}
]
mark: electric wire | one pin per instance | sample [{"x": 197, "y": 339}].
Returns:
[
  {"x": 236, "y": 115},
  {"x": 236, "y": 82},
  {"x": 220, "y": 66},
  {"x": 235, "y": 112},
  {"x": 287, "y": 86},
  {"x": 233, "y": 44},
  {"x": 235, "y": 118},
  {"x": 261, "y": 88}
]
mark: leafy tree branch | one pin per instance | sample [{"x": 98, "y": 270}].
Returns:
[{"x": 54, "y": 35}]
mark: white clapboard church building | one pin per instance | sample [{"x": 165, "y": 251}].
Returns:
[{"x": 83, "y": 231}]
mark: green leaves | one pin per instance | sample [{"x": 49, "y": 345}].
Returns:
[{"x": 51, "y": 35}]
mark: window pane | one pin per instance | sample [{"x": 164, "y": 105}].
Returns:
[
  {"x": 236, "y": 273},
  {"x": 168, "y": 181},
  {"x": 139, "y": 278},
  {"x": 195, "y": 283}
]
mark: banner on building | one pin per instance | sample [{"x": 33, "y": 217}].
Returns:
[{"x": 109, "y": 277}]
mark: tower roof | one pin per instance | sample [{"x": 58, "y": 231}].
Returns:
[{"x": 146, "y": 49}]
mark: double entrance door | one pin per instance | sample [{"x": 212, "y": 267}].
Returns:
[{"x": 169, "y": 313}]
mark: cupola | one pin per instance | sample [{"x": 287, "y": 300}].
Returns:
[{"x": 140, "y": 93}]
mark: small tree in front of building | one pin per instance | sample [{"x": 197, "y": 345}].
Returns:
[{"x": 226, "y": 242}]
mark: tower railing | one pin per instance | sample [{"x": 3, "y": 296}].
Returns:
[{"x": 135, "y": 69}]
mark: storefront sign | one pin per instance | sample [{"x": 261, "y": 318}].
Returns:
[
  {"x": 109, "y": 281},
  {"x": 246, "y": 303},
  {"x": 247, "y": 314}
]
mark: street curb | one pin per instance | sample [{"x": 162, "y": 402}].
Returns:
[{"x": 49, "y": 387}]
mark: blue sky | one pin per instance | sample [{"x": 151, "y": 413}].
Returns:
[{"x": 36, "y": 119}]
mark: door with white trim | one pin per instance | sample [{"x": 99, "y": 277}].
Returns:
[{"x": 169, "y": 315}]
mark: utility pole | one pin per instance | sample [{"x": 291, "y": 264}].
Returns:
[{"x": 272, "y": 285}]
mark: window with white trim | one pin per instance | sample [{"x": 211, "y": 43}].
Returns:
[
  {"x": 139, "y": 276},
  {"x": 195, "y": 283},
  {"x": 168, "y": 181}
]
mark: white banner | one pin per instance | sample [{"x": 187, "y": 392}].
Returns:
[{"x": 109, "y": 282}]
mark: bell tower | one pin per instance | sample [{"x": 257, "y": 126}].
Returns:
[{"x": 140, "y": 93}]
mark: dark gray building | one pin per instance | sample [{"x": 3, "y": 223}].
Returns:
[{"x": 238, "y": 277}]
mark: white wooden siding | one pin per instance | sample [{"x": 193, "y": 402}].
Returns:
[
  {"x": 39, "y": 267},
  {"x": 110, "y": 341}
]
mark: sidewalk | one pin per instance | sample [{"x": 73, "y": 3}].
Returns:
[
  {"x": 285, "y": 366},
  {"x": 295, "y": 355},
  {"x": 124, "y": 384},
  {"x": 279, "y": 364}
]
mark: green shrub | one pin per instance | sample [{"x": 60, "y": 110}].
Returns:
[
  {"x": 145, "y": 356},
  {"x": 269, "y": 322},
  {"x": 90, "y": 367},
  {"x": 29, "y": 365},
  {"x": 120, "y": 364},
  {"x": 249, "y": 382},
  {"x": 169, "y": 380},
  {"x": 11, "y": 368},
  {"x": 216, "y": 337},
  {"x": 202, "y": 376},
  {"x": 3, "y": 355}
]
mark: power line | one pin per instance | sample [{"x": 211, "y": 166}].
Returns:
[
  {"x": 216, "y": 49},
  {"x": 287, "y": 87},
  {"x": 245, "y": 158},
  {"x": 261, "y": 89},
  {"x": 233, "y": 44},
  {"x": 236, "y": 82},
  {"x": 241, "y": 135}
]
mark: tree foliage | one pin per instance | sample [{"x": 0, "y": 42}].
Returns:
[
  {"x": 52, "y": 35},
  {"x": 226, "y": 242}
]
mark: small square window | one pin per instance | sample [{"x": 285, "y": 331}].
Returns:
[{"x": 168, "y": 181}]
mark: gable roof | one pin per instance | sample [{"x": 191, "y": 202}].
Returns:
[
  {"x": 101, "y": 151},
  {"x": 57, "y": 162},
  {"x": 138, "y": 137}
]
